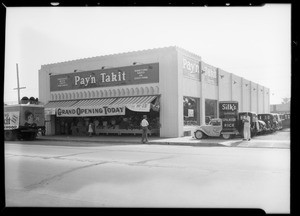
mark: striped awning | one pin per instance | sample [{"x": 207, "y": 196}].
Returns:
[
  {"x": 134, "y": 100},
  {"x": 94, "y": 102},
  {"x": 56, "y": 104}
]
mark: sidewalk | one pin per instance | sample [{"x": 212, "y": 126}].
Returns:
[{"x": 187, "y": 140}]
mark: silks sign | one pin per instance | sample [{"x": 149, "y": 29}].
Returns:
[
  {"x": 90, "y": 111},
  {"x": 130, "y": 75}
]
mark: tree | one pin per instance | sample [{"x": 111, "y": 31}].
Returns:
[{"x": 285, "y": 100}]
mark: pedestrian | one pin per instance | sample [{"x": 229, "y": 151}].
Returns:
[
  {"x": 90, "y": 129},
  {"x": 144, "y": 125},
  {"x": 247, "y": 132}
]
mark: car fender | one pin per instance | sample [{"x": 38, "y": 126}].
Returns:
[{"x": 200, "y": 129}]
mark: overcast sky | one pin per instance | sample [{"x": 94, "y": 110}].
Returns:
[{"x": 252, "y": 42}]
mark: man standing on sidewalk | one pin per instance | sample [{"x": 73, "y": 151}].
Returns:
[
  {"x": 144, "y": 124},
  {"x": 247, "y": 131}
]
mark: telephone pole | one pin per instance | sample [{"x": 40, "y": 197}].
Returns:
[{"x": 18, "y": 88}]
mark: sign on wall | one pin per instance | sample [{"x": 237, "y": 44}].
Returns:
[
  {"x": 191, "y": 68},
  {"x": 210, "y": 74},
  {"x": 137, "y": 74},
  {"x": 90, "y": 111},
  {"x": 11, "y": 120}
]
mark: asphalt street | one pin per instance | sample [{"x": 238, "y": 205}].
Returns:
[{"x": 58, "y": 174}]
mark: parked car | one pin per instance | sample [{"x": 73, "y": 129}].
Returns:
[
  {"x": 263, "y": 127},
  {"x": 270, "y": 121},
  {"x": 278, "y": 120},
  {"x": 255, "y": 129}
]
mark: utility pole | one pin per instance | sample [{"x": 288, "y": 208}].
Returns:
[{"x": 18, "y": 88}]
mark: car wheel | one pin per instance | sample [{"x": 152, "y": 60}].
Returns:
[
  {"x": 199, "y": 134},
  {"x": 226, "y": 136}
]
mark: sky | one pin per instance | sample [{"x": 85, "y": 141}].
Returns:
[{"x": 251, "y": 42}]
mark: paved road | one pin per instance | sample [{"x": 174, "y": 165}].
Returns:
[
  {"x": 278, "y": 139},
  {"x": 93, "y": 175}
]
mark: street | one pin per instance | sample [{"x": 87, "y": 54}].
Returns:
[{"x": 59, "y": 174}]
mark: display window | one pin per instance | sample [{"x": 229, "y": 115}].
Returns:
[
  {"x": 191, "y": 111},
  {"x": 210, "y": 110},
  {"x": 125, "y": 124}
]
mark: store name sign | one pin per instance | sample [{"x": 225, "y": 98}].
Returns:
[
  {"x": 90, "y": 111},
  {"x": 104, "y": 78},
  {"x": 130, "y": 75},
  {"x": 210, "y": 74},
  {"x": 190, "y": 68}
]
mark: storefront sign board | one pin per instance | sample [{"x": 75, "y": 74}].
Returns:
[
  {"x": 190, "y": 68},
  {"x": 139, "y": 107},
  {"x": 210, "y": 74},
  {"x": 90, "y": 111},
  {"x": 49, "y": 111},
  {"x": 11, "y": 120},
  {"x": 228, "y": 112},
  {"x": 129, "y": 75}
]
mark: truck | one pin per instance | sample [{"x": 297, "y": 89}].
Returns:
[
  {"x": 23, "y": 121},
  {"x": 225, "y": 126},
  {"x": 229, "y": 124}
]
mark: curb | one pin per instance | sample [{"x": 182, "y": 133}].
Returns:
[{"x": 207, "y": 144}]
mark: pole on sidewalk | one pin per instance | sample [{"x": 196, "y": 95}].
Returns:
[{"x": 18, "y": 85}]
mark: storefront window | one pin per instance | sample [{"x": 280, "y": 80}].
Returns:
[
  {"x": 210, "y": 110},
  {"x": 191, "y": 111}
]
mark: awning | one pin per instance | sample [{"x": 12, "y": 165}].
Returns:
[
  {"x": 94, "y": 102},
  {"x": 56, "y": 104},
  {"x": 99, "y": 107},
  {"x": 134, "y": 100},
  {"x": 137, "y": 104}
]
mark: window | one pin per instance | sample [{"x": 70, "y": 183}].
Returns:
[{"x": 191, "y": 111}]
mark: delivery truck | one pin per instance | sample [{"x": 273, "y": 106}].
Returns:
[
  {"x": 224, "y": 126},
  {"x": 23, "y": 121}
]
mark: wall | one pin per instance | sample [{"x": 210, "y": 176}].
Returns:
[
  {"x": 253, "y": 96},
  {"x": 224, "y": 85},
  {"x": 246, "y": 106},
  {"x": 260, "y": 99},
  {"x": 237, "y": 89}
]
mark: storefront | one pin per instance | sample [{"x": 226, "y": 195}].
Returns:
[{"x": 172, "y": 86}]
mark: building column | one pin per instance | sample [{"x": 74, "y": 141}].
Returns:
[
  {"x": 242, "y": 95},
  {"x": 218, "y": 92},
  {"x": 202, "y": 99}
]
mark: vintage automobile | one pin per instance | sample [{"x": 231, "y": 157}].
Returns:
[
  {"x": 255, "y": 129},
  {"x": 278, "y": 120},
  {"x": 263, "y": 127},
  {"x": 270, "y": 121},
  {"x": 213, "y": 129}
]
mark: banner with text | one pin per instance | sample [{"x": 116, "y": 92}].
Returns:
[
  {"x": 129, "y": 75},
  {"x": 90, "y": 111},
  {"x": 11, "y": 120}
]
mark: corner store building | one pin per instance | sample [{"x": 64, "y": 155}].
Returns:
[{"x": 188, "y": 88}]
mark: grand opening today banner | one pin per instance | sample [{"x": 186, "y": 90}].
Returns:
[{"x": 129, "y": 75}]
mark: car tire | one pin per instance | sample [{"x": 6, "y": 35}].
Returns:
[
  {"x": 199, "y": 134},
  {"x": 226, "y": 136}
]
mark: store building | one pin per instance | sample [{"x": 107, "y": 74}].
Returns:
[{"x": 172, "y": 86}]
